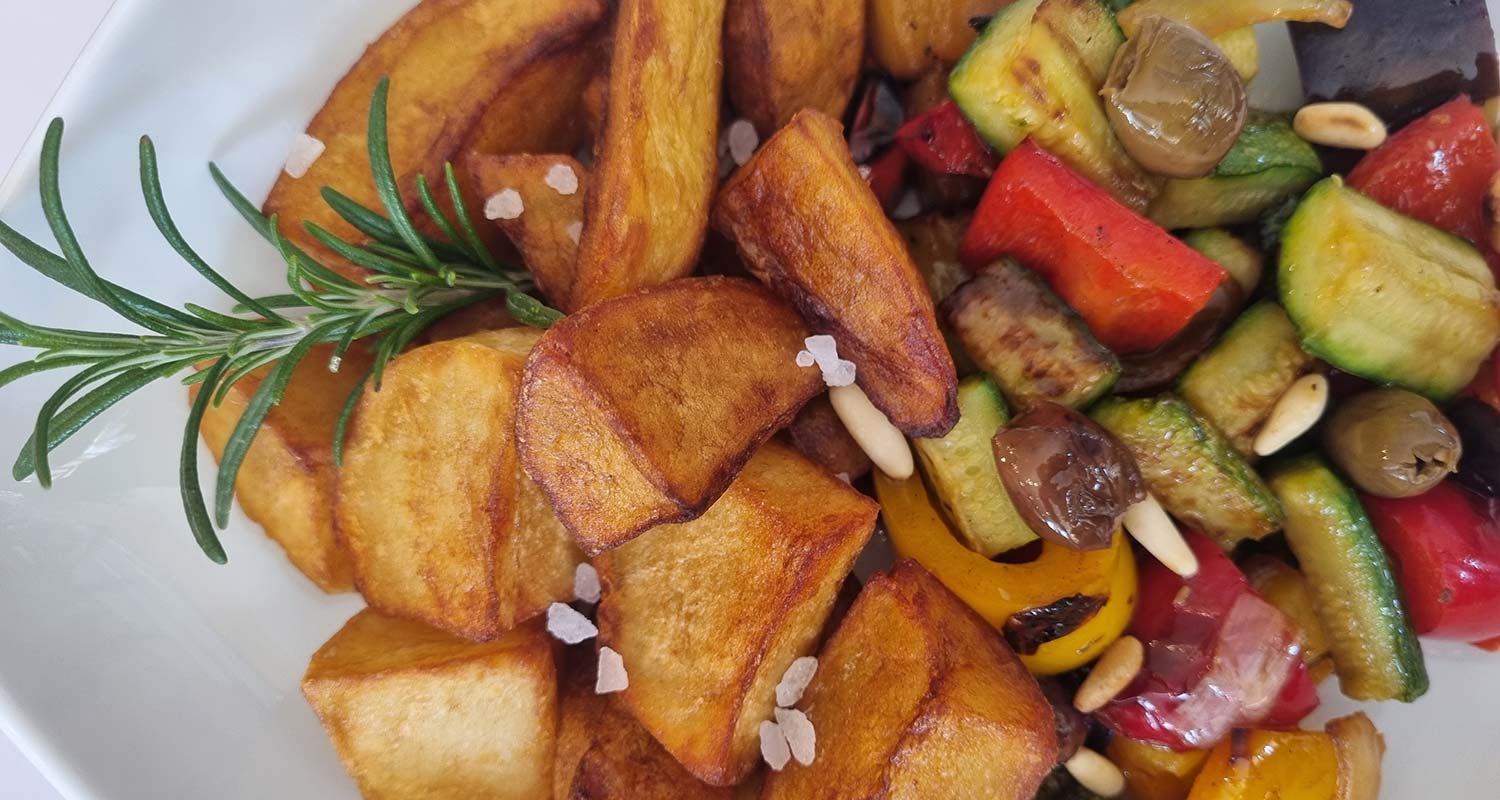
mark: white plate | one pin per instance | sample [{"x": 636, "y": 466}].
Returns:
[{"x": 131, "y": 667}]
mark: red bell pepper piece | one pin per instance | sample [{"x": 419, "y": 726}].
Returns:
[
  {"x": 1437, "y": 169},
  {"x": 1133, "y": 283},
  {"x": 943, "y": 141},
  {"x": 1217, "y": 657},
  {"x": 1446, "y": 556},
  {"x": 886, "y": 175}
]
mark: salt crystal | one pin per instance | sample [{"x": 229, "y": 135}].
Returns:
[
  {"x": 773, "y": 746},
  {"x": 504, "y": 204},
  {"x": 586, "y": 583},
  {"x": 569, "y": 626},
  {"x": 562, "y": 179},
  {"x": 909, "y": 207},
  {"x": 801, "y": 738},
  {"x": 844, "y": 476},
  {"x": 612, "y": 677},
  {"x": 839, "y": 373},
  {"x": 305, "y": 150},
  {"x": 742, "y": 140},
  {"x": 864, "y": 171},
  {"x": 574, "y": 231},
  {"x": 805, "y": 359},
  {"x": 794, "y": 681},
  {"x": 822, "y": 346}
]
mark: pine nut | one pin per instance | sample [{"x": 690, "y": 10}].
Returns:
[
  {"x": 1294, "y": 414},
  {"x": 1149, "y": 524},
  {"x": 1097, "y": 773},
  {"x": 1348, "y": 125},
  {"x": 1111, "y": 674},
  {"x": 880, "y": 440}
]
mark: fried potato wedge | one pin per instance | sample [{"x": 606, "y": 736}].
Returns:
[
  {"x": 416, "y": 713},
  {"x": 709, "y": 614},
  {"x": 809, "y": 227},
  {"x": 781, "y": 56},
  {"x": 656, "y": 163},
  {"x": 442, "y": 524},
  {"x": 288, "y": 480},
  {"x": 604, "y": 754},
  {"x": 819, "y": 434},
  {"x": 909, "y": 36},
  {"x": 915, "y": 696},
  {"x": 486, "y": 75},
  {"x": 546, "y": 233},
  {"x": 641, "y": 410}
]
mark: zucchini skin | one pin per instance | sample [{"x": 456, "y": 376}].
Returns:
[
  {"x": 1374, "y": 648},
  {"x": 1268, "y": 164},
  {"x": 1384, "y": 296},
  {"x": 1192, "y": 469}
]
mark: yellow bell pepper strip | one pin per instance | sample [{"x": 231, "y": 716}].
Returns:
[
  {"x": 998, "y": 591},
  {"x": 1154, "y": 772},
  {"x": 1253, "y": 765}
]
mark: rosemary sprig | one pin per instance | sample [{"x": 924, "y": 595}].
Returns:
[{"x": 415, "y": 280}]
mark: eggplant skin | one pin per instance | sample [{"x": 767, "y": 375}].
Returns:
[{"x": 1401, "y": 58}]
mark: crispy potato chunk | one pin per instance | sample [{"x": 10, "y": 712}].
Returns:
[
  {"x": 709, "y": 614},
  {"x": 819, "y": 434},
  {"x": 487, "y": 75},
  {"x": 809, "y": 227},
  {"x": 415, "y": 713},
  {"x": 909, "y": 36},
  {"x": 656, "y": 163},
  {"x": 916, "y": 696},
  {"x": 641, "y": 410},
  {"x": 443, "y": 526},
  {"x": 287, "y": 481},
  {"x": 604, "y": 754},
  {"x": 545, "y": 233},
  {"x": 781, "y": 56}
]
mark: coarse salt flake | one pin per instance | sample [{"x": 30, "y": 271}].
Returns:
[
  {"x": 909, "y": 207},
  {"x": 504, "y": 204},
  {"x": 742, "y": 140},
  {"x": 562, "y": 179},
  {"x": 797, "y": 676},
  {"x": 574, "y": 231},
  {"x": 305, "y": 150},
  {"x": 825, "y": 353},
  {"x": 822, "y": 346},
  {"x": 612, "y": 677},
  {"x": 586, "y": 583},
  {"x": 773, "y": 745},
  {"x": 805, "y": 359},
  {"x": 840, "y": 373},
  {"x": 801, "y": 738},
  {"x": 569, "y": 626},
  {"x": 864, "y": 171}
]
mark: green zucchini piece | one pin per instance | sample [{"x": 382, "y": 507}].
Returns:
[
  {"x": 960, "y": 468},
  {"x": 1384, "y": 296},
  {"x": 1243, "y": 263},
  {"x": 1033, "y": 345},
  {"x": 1192, "y": 469},
  {"x": 1374, "y": 648},
  {"x": 1237, "y": 382},
  {"x": 1268, "y": 163},
  {"x": 1036, "y": 70}
]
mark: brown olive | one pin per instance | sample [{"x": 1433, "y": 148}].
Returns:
[
  {"x": 1072, "y": 726},
  {"x": 1392, "y": 443},
  {"x": 1174, "y": 99},
  {"x": 1068, "y": 477}
]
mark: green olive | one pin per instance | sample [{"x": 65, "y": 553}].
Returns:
[
  {"x": 1392, "y": 443},
  {"x": 1174, "y": 99}
]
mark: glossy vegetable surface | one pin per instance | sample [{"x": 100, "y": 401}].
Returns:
[
  {"x": 1391, "y": 442},
  {"x": 1134, "y": 283},
  {"x": 1216, "y": 18},
  {"x": 1268, "y": 163},
  {"x": 943, "y": 141},
  {"x": 1479, "y": 426},
  {"x": 1254, "y": 765},
  {"x": 1154, "y": 771}
]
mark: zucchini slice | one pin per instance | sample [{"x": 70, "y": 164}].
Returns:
[
  {"x": 1268, "y": 163},
  {"x": 1236, "y": 383},
  {"x": 960, "y": 468},
  {"x": 1243, "y": 263},
  {"x": 1191, "y": 468},
  {"x": 1033, "y": 345},
  {"x": 1384, "y": 296},
  {"x": 1036, "y": 71},
  {"x": 1374, "y": 648}
]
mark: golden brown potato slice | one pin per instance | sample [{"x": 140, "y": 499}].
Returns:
[
  {"x": 781, "y": 56},
  {"x": 809, "y": 227},
  {"x": 416, "y": 713},
  {"x": 819, "y": 434},
  {"x": 604, "y": 754},
  {"x": 546, "y": 233},
  {"x": 709, "y": 614},
  {"x": 486, "y": 75},
  {"x": 443, "y": 525},
  {"x": 915, "y": 696},
  {"x": 641, "y": 410},
  {"x": 909, "y": 36},
  {"x": 656, "y": 162},
  {"x": 287, "y": 481}
]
